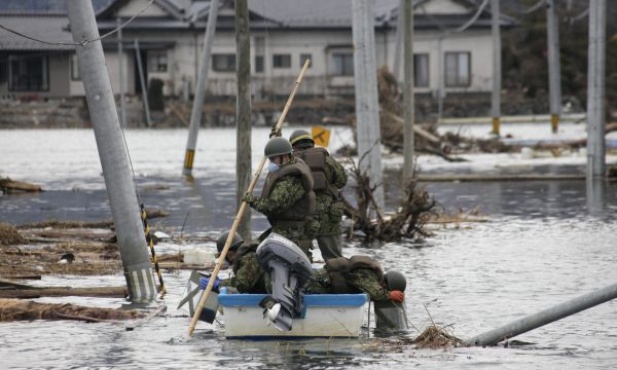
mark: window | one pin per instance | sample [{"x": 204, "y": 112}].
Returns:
[
  {"x": 420, "y": 70},
  {"x": 28, "y": 72},
  {"x": 224, "y": 62},
  {"x": 75, "y": 72},
  {"x": 458, "y": 69},
  {"x": 304, "y": 58},
  {"x": 259, "y": 64},
  {"x": 342, "y": 64},
  {"x": 281, "y": 61},
  {"x": 157, "y": 61}
]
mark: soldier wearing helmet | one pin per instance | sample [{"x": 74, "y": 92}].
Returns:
[
  {"x": 248, "y": 276},
  {"x": 329, "y": 177},
  {"x": 287, "y": 198},
  {"x": 359, "y": 274}
]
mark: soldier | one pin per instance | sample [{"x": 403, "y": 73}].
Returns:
[
  {"x": 248, "y": 276},
  {"x": 287, "y": 198},
  {"x": 329, "y": 177},
  {"x": 358, "y": 274}
]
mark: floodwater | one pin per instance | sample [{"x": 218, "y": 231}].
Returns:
[{"x": 543, "y": 244}]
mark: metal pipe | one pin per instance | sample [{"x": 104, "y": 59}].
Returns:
[{"x": 554, "y": 67}]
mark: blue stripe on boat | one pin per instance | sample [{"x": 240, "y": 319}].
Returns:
[{"x": 321, "y": 300}]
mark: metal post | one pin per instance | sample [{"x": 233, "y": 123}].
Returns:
[
  {"x": 367, "y": 104},
  {"x": 200, "y": 89},
  {"x": 408, "y": 93},
  {"x": 554, "y": 66},
  {"x": 112, "y": 152},
  {"x": 596, "y": 160},
  {"x": 496, "y": 96},
  {"x": 121, "y": 75},
  {"x": 144, "y": 87},
  {"x": 545, "y": 317},
  {"x": 243, "y": 112}
]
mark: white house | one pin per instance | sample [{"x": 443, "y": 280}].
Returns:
[{"x": 169, "y": 36}]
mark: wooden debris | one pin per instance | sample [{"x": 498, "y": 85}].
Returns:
[
  {"x": 105, "y": 292},
  {"x": 16, "y": 310},
  {"x": 9, "y": 186}
]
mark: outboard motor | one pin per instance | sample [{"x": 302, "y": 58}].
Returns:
[
  {"x": 391, "y": 315},
  {"x": 289, "y": 269}
]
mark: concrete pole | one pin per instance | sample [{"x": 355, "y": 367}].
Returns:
[
  {"x": 144, "y": 86},
  {"x": 408, "y": 93},
  {"x": 200, "y": 89},
  {"x": 596, "y": 160},
  {"x": 441, "y": 89},
  {"x": 121, "y": 75},
  {"x": 113, "y": 153},
  {"x": 496, "y": 96},
  {"x": 545, "y": 317},
  {"x": 367, "y": 104},
  {"x": 554, "y": 64},
  {"x": 243, "y": 113},
  {"x": 396, "y": 65}
]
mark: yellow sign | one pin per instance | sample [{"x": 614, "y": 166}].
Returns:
[{"x": 321, "y": 135}]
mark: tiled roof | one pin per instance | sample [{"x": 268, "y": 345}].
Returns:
[{"x": 46, "y": 27}]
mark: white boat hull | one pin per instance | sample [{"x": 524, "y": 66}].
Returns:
[{"x": 325, "y": 315}]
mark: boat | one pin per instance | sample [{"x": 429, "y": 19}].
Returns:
[{"x": 323, "y": 315}]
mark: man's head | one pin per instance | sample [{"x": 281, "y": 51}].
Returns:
[
  {"x": 278, "y": 150},
  {"x": 236, "y": 242},
  {"x": 301, "y": 139}
]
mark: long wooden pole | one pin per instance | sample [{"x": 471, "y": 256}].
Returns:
[{"x": 238, "y": 217}]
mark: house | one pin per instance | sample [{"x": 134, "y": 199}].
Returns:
[{"x": 37, "y": 56}]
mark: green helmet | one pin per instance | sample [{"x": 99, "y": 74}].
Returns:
[
  {"x": 301, "y": 137},
  {"x": 235, "y": 242},
  {"x": 277, "y": 146}
]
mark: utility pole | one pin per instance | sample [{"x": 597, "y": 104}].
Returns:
[
  {"x": 396, "y": 65},
  {"x": 200, "y": 89},
  {"x": 367, "y": 103},
  {"x": 243, "y": 112},
  {"x": 121, "y": 74},
  {"x": 112, "y": 152},
  {"x": 496, "y": 97},
  {"x": 144, "y": 87},
  {"x": 408, "y": 93},
  {"x": 554, "y": 64},
  {"x": 544, "y": 317},
  {"x": 596, "y": 159}
]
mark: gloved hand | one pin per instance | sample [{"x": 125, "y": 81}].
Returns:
[
  {"x": 396, "y": 296},
  {"x": 248, "y": 197},
  {"x": 204, "y": 281},
  {"x": 274, "y": 133}
]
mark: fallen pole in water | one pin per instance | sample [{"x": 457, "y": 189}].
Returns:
[{"x": 544, "y": 317}]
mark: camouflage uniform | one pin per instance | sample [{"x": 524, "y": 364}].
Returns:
[
  {"x": 288, "y": 201},
  {"x": 359, "y": 274},
  {"x": 329, "y": 177},
  {"x": 248, "y": 277}
]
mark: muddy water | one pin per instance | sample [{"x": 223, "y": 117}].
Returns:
[{"x": 543, "y": 243}]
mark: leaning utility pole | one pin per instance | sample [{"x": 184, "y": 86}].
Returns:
[
  {"x": 596, "y": 160},
  {"x": 367, "y": 102},
  {"x": 496, "y": 97},
  {"x": 554, "y": 64},
  {"x": 112, "y": 152},
  {"x": 544, "y": 317},
  {"x": 243, "y": 112},
  {"x": 396, "y": 65},
  {"x": 200, "y": 89},
  {"x": 408, "y": 93}
]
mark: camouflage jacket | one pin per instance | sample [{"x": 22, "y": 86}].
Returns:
[{"x": 249, "y": 276}]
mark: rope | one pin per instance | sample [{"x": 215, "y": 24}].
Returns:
[{"x": 144, "y": 219}]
